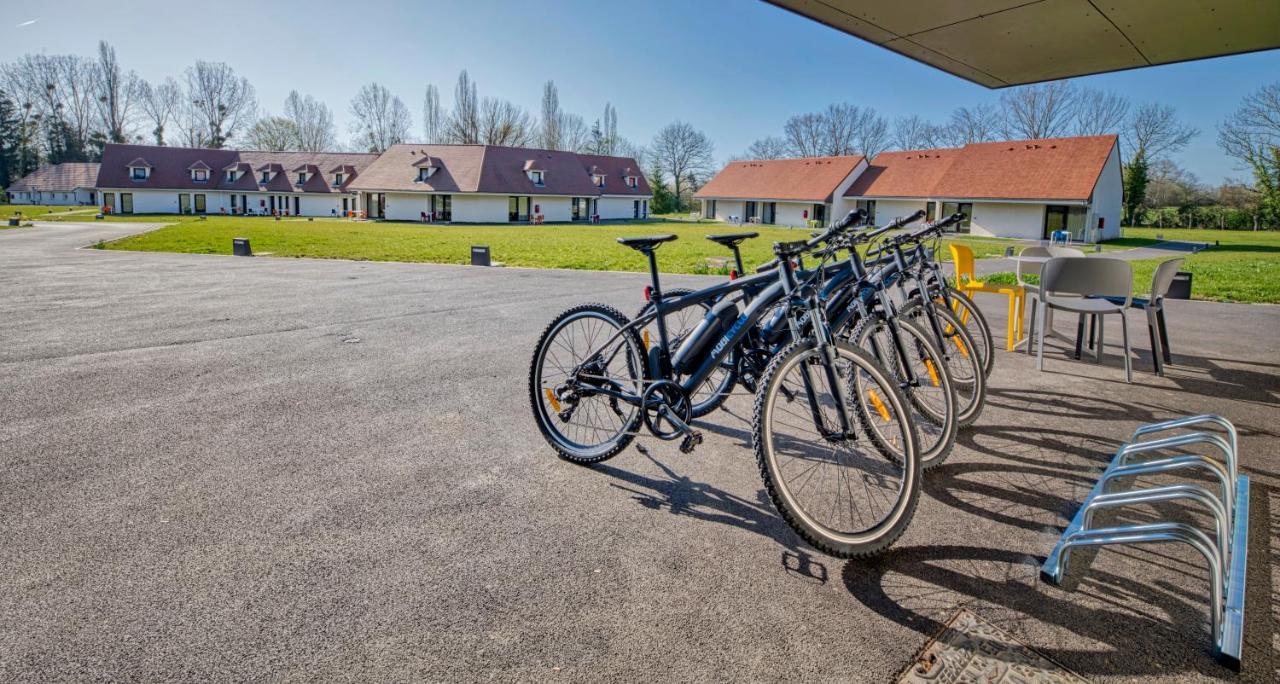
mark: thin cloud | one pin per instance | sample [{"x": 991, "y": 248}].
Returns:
[{"x": 28, "y": 23}]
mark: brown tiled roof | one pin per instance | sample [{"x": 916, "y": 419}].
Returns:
[
  {"x": 1048, "y": 169},
  {"x": 493, "y": 169},
  {"x": 616, "y": 170},
  {"x": 169, "y": 167},
  {"x": 810, "y": 179},
  {"x": 65, "y": 177}
]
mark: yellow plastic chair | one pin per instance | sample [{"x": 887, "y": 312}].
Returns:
[{"x": 967, "y": 282}]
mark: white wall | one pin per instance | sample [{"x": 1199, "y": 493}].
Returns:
[
  {"x": 842, "y": 205},
  {"x": 409, "y": 206},
  {"x": 618, "y": 207},
  {"x": 1007, "y": 219},
  {"x": 80, "y": 196},
  {"x": 890, "y": 209},
  {"x": 480, "y": 208},
  {"x": 554, "y": 209},
  {"x": 792, "y": 214},
  {"x": 1108, "y": 195}
]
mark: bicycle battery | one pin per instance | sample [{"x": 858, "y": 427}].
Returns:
[{"x": 704, "y": 337}]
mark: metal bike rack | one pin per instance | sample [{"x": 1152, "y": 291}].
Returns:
[{"x": 1226, "y": 551}]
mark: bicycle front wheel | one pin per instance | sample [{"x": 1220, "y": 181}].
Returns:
[
  {"x": 824, "y": 473},
  {"x": 971, "y": 316}
]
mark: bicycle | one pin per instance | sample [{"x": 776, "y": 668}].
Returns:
[{"x": 593, "y": 383}]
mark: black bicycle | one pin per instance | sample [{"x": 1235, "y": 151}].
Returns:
[{"x": 593, "y": 382}]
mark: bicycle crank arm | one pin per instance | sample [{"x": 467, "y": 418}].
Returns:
[{"x": 692, "y": 437}]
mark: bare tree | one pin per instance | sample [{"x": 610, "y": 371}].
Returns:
[
  {"x": 273, "y": 134},
  {"x": 118, "y": 93},
  {"x": 312, "y": 122},
  {"x": 161, "y": 103},
  {"x": 58, "y": 94},
  {"x": 1039, "y": 111},
  {"x": 575, "y": 136},
  {"x": 549, "y": 135},
  {"x": 1099, "y": 112},
  {"x": 684, "y": 153},
  {"x": 1252, "y": 135},
  {"x": 503, "y": 123},
  {"x": 609, "y": 136},
  {"x": 380, "y": 119},
  {"x": 980, "y": 123},
  {"x": 806, "y": 134},
  {"x": 1155, "y": 131},
  {"x": 914, "y": 133},
  {"x": 464, "y": 123},
  {"x": 432, "y": 115},
  {"x": 224, "y": 101},
  {"x": 871, "y": 134},
  {"x": 770, "y": 147}
]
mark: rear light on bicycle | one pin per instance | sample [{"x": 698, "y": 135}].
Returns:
[
  {"x": 648, "y": 291},
  {"x": 733, "y": 274}
]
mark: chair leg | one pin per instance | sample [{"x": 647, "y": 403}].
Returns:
[
  {"x": 1079, "y": 334},
  {"x": 1164, "y": 334},
  {"x": 1040, "y": 337},
  {"x": 1093, "y": 330},
  {"x": 1009, "y": 331},
  {"x": 1031, "y": 326},
  {"x": 1097, "y": 353},
  {"x": 1156, "y": 355},
  {"x": 1128, "y": 363}
]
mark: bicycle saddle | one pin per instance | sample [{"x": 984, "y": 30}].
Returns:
[
  {"x": 731, "y": 239},
  {"x": 646, "y": 244}
]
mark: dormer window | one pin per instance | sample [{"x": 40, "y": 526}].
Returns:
[
  {"x": 266, "y": 177},
  {"x": 337, "y": 179},
  {"x": 632, "y": 181},
  {"x": 200, "y": 175},
  {"x": 536, "y": 177},
  {"x": 138, "y": 172},
  {"x": 424, "y": 172},
  {"x": 231, "y": 176},
  {"x": 302, "y": 177},
  {"x": 597, "y": 179}
]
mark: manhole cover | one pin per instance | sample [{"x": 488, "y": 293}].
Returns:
[{"x": 970, "y": 649}]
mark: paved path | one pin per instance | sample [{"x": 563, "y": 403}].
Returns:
[{"x": 223, "y": 468}]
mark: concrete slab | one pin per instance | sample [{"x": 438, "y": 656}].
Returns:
[{"x": 233, "y": 468}]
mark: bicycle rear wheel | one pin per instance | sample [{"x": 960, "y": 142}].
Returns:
[
  {"x": 577, "y": 373},
  {"x": 835, "y": 489},
  {"x": 963, "y": 362},
  {"x": 971, "y": 316}
]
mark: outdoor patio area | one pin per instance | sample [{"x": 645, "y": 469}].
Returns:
[{"x": 220, "y": 467}]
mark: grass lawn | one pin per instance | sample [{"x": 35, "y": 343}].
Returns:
[
  {"x": 1243, "y": 267},
  {"x": 587, "y": 247},
  {"x": 39, "y": 211}
]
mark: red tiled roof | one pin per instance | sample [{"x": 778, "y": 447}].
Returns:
[
  {"x": 1048, "y": 169},
  {"x": 493, "y": 169},
  {"x": 65, "y": 177},
  {"x": 169, "y": 167},
  {"x": 810, "y": 179}
]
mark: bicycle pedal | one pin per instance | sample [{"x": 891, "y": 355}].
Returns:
[{"x": 690, "y": 441}]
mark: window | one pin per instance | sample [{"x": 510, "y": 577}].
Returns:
[
  {"x": 966, "y": 208},
  {"x": 870, "y": 207},
  {"x": 819, "y": 214},
  {"x": 302, "y": 178},
  {"x": 200, "y": 208},
  {"x": 1063, "y": 217},
  {"x": 750, "y": 211},
  {"x": 337, "y": 179},
  {"x": 184, "y": 203},
  {"x": 199, "y": 175},
  {"x": 930, "y": 211},
  {"x": 231, "y": 176},
  {"x": 632, "y": 181},
  {"x": 442, "y": 207},
  {"x": 138, "y": 172},
  {"x": 708, "y": 209},
  {"x": 266, "y": 176},
  {"x": 517, "y": 209},
  {"x": 635, "y": 209},
  {"x": 424, "y": 173},
  {"x": 598, "y": 180},
  {"x": 536, "y": 177}
]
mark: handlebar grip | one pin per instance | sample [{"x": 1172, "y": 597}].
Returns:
[
  {"x": 855, "y": 216},
  {"x": 904, "y": 220},
  {"x": 772, "y": 263}
]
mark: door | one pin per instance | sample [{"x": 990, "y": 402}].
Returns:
[
  {"x": 749, "y": 211},
  {"x": 770, "y": 213},
  {"x": 930, "y": 211},
  {"x": 517, "y": 209},
  {"x": 635, "y": 209},
  {"x": 819, "y": 214},
  {"x": 966, "y": 208},
  {"x": 184, "y": 203},
  {"x": 200, "y": 206},
  {"x": 296, "y": 204},
  {"x": 126, "y": 203},
  {"x": 109, "y": 201}
]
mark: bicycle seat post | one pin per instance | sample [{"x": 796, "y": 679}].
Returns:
[{"x": 655, "y": 295}]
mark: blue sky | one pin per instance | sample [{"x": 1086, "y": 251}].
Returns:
[{"x": 734, "y": 68}]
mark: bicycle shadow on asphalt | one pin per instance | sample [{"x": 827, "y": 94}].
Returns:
[{"x": 682, "y": 496}]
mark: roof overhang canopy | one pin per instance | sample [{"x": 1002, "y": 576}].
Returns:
[{"x": 999, "y": 43}]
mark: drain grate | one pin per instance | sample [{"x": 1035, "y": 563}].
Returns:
[{"x": 969, "y": 649}]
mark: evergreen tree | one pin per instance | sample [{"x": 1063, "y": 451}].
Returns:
[
  {"x": 1135, "y": 187},
  {"x": 10, "y": 140}
]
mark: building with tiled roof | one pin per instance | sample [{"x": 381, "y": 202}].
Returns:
[
  {"x": 492, "y": 184},
  {"x": 1024, "y": 189},
  {"x": 64, "y": 184},
  {"x": 779, "y": 191}
]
